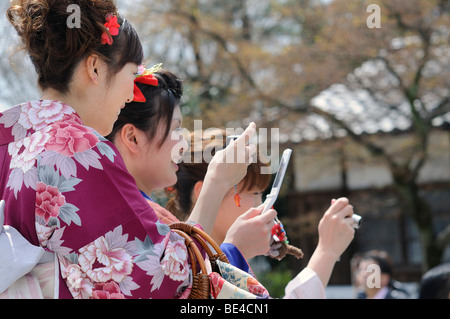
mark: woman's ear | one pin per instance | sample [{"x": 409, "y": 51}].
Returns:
[
  {"x": 93, "y": 65},
  {"x": 197, "y": 189},
  {"x": 128, "y": 137}
]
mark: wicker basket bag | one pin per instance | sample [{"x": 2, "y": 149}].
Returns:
[{"x": 201, "y": 286}]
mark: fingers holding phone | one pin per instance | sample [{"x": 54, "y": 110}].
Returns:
[
  {"x": 251, "y": 232},
  {"x": 336, "y": 229},
  {"x": 229, "y": 165}
]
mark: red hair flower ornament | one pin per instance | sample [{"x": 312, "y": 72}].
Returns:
[
  {"x": 112, "y": 27},
  {"x": 145, "y": 76}
]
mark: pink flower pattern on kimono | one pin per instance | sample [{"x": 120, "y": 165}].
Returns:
[
  {"x": 39, "y": 114},
  {"x": 175, "y": 263},
  {"x": 107, "y": 291},
  {"x": 70, "y": 138},
  {"x": 44, "y": 233},
  {"x": 102, "y": 264},
  {"x": 48, "y": 201},
  {"x": 79, "y": 285},
  {"x": 52, "y": 152},
  {"x": 216, "y": 284},
  {"x": 24, "y": 152}
]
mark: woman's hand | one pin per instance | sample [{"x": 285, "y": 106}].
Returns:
[
  {"x": 229, "y": 165},
  {"x": 336, "y": 228},
  {"x": 251, "y": 232},
  {"x": 335, "y": 234},
  {"x": 226, "y": 169}
]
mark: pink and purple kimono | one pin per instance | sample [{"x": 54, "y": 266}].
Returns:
[{"x": 67, "y": 190}]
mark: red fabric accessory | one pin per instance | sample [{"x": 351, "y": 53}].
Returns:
[
  {"x": 145, "y": 79},
  {"x": 145, "y": 76},
  {"x": 112, "y": 27}
]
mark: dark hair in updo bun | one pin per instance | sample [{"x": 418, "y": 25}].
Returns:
[
  {"x": 160, "y": 104},
  {"x": 56, "y": 49}
]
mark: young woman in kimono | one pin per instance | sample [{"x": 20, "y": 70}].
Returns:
[
  {"x": 335, "y": 228},
  {"x": 66, "y": 188},
  {"x": 144, "y": 136}
]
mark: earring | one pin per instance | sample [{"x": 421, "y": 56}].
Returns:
[{"x": 237, "y": 198}]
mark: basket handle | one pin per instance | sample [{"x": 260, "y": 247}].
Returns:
[
  {"x": 203, "y": 239},
  {"x": 194, "y": 253}
]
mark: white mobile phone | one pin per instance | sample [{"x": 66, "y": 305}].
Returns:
[{"x": 272, "y": 196}]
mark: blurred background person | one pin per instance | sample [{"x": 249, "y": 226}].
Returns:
[
  {"x": 435, "y": 283},
  {"x": 374, "y": 277}
]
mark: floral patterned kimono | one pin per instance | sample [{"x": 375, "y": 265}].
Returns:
[{"x": 67, "y": 190}]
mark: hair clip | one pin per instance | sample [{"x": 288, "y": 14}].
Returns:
[
  {"x": 145, "y": 76},
  {"x": 112, "y": 29}
]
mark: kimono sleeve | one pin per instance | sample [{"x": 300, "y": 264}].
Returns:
[
  {"x": 109, "y": 241},
  {"x": 306, "y": 285},
  {"x": 236, "y": 258}
]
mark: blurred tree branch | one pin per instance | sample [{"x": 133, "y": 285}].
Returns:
[{"x": 268, "y": 59}]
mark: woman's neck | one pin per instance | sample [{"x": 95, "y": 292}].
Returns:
[
  {"x": 54, "y": 95},
  {"x": 79, "y": 105}
]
